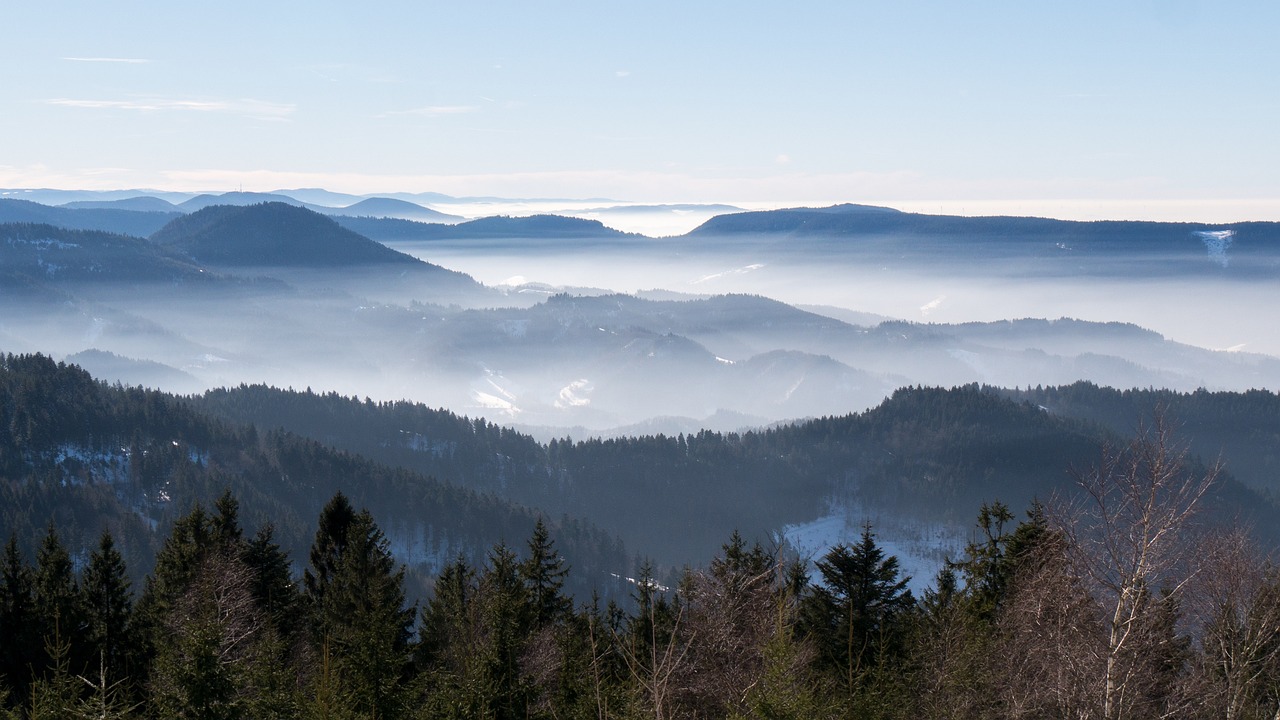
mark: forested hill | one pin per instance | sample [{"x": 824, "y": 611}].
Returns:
[
  {"x": 125, "y": 221},
  {"x": 547, "y": 227},
  {"x": 87, "y": 456},
  {"x": 926, "y": 455},
  {"x": 1241, "y": 428},
  {"x": 47, "y": 254},
  {"x": 271, "y": 234},
  {"x": 852, "y": 219}
]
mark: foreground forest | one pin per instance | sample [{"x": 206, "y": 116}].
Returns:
[
  {"x": 1117, "y": 607},
  {"x": 176, "y": 557}
]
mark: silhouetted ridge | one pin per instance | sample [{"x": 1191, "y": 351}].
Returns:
[
  {"x": 849, "y": 219},
  {"x": 126, "y": 222},
  {"x": 272, "y": 234}
]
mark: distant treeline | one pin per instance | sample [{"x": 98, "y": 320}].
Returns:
[{"x": 928, "y": 454}]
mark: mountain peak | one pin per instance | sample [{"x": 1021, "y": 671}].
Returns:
[{"x": 271, "y": 234}]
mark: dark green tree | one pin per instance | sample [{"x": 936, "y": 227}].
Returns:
[
  {"x": 224, "y": 526},
  {"x": 544, "y": 572},
  {"x": 272, "y": 586},
  {"x": 59, "y": 612},
  {"x": 326, "y": 550},
  {"x": 19, "y": 643},
  {"x": 108, "y": 606},
  {"x": 985, "y": 569},
  {"x": 855, "y": 616},
  {"x": 506, "y": 617},
  {"x": 360, "y": 613}
]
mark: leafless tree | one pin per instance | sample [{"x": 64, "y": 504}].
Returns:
[
  {"x": 1049, "y": 644},
  {"x": 1128, "y": 542},
  {"x": 1236, "y": 602}
]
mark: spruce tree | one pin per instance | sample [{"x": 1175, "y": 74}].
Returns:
[
  {"x": 273, "y": 586},
  {"x": 58, "y": 609},
  {"x": 19, "y": 642},
  {"x": 327, "y": 548},
  {"x": 544, "y": 572},
  {"x": 359, "y": 610},
  {"x": 108, "y": 607},
  {"x": 855, "y": 614}
]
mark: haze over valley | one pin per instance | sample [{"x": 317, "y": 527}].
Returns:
[{"x": 562, "y": 327}]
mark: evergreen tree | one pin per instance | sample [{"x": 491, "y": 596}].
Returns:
[
  {"x": 59, "y": 612},
  {"x": 326, "y": 550},
  {"x": 273, "y": 587},
  {"x": 225, "y": 525},
  {"x": 855, "y": 615},
  {"x": 19, "y": 641},
  {"x": 986, "y": 570},
  {"x": 544, "y": 572},
  {"x": 56, "y": 694},
  {"x": 444, "y": 632},
  {"x": 506, "y": 617},
  {"x": 108, "y": 608},
  {"x": 361, "y": 615}
]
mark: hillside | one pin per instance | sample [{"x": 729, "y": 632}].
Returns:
[
  {"x": 112, "y": 220},
  {"x": 88, "y": 456},
  {"x": 272, "y": 234},
  {"x": 924, "y": 457},
  {"x": 380, "y": 207},
  {"x": 45, "y": 253},
  {"x": 1247, "y": 249},
  {"x": 536, "y": 227}
]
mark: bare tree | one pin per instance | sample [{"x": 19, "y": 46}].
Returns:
[
  {"x": 1237, "y": 604},
  {"x": 1049, "y": 643},
  {"x": 1128, "y": 542}
]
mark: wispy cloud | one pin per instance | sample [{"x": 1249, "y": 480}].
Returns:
[
  {"x": 258, "y": 109},
  {"x": 128, "y": 61},
  {"x": 433, "y": 111}
]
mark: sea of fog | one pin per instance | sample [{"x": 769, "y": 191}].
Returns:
[{"x": 1208, "y": 311}]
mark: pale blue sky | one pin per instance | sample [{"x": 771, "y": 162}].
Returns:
[{"x": 1087, "y": 108}]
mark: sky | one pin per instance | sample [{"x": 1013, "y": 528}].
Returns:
[{"x": 1159, "y": 109}]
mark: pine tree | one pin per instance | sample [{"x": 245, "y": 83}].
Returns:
[
  {"x": 225, "y": 525},
  {"x": 544, "y": 572},
  {"x": 19, "y": 641},
  {"x": 326, "y": 550},
  {"x": 444, "y": 631},
  {"x": 108, "y": 607},
  {"x": 360, "y": 612},
  {"x": 506, "y": 614},
  {"x": 855, "y": 614},
  {"x": 58, "y": 608},
  {"x": 273, "y": 587}
]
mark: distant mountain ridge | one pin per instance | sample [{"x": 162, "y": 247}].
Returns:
[
  {"x": 546, "y": 227},
  {"x": 850, "y": 219},
  {"x": 112, "y": 220},
  {"x": 272, "y": 234}
]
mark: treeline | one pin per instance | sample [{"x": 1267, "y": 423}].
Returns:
[
  {"x": 928, "y": 454},
  {"x": 89, "y": 456},
  {"x": 1242, "y": 428},
  {"x": 1113, "y": 608}
]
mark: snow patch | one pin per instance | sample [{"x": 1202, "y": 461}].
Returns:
[
  {"x": 574, "y": 394},
  {"x": 932, "y": 305},
  {"x": 736, "y": 271},
  {"x": 1216, "y": 243},
  {"x": 920, "y": 551},
  {"x": 493, "y": 402}
]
